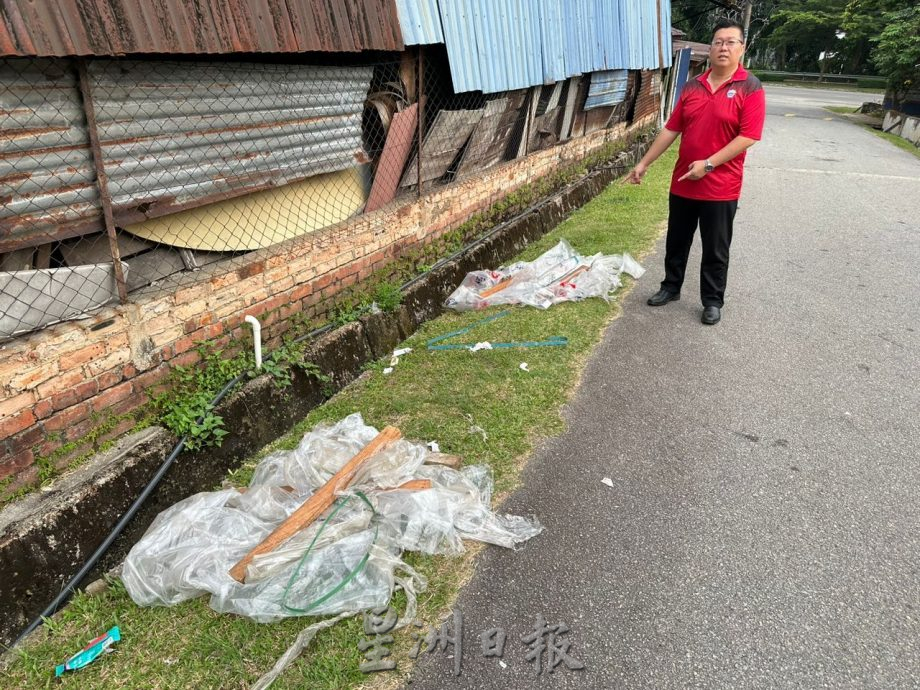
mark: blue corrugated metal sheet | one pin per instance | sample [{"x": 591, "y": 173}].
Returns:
[
  {"x": 607, "y": 88},
  {"x": 666, "y": 32},
  {"x": 499, "y": 45},
  {"x": 420, "y": 22}
]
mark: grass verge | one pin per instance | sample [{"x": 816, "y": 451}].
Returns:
[
  {"x": 430, "y": 395},
  {"x": 900, "y": 142}
]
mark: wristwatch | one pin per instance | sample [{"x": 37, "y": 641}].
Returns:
[{"x": 709, "y": 167}]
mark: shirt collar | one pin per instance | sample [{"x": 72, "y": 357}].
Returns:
[{"x": 739, "y": 75}]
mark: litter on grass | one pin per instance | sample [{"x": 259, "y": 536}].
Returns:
[
  {"x": 348, "y": 561},
  {"x": 92, "y": 651},
  {"x": 559, "y": 275},
  {"x": 438, "y": 343}
]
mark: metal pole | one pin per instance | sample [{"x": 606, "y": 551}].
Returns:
[
  {"x": 102, "y": 181},
  {"x": 421, "y": 116}
]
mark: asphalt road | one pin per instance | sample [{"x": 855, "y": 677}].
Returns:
[{"x": 763, "y": 527}]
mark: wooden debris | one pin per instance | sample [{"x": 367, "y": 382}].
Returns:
[
  {"x": 498, "y": 287},
  {"x": 452, "y": 461},
  {"x": 412, "y": 485},
  {"x": 318, "y": 503}
]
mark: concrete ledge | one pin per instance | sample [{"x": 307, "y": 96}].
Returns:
[{"x": 46, "y": 537}]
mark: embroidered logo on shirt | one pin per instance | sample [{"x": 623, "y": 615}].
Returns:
[{"x": 731, "y": 93}]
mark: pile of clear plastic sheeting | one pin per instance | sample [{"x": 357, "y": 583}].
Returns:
[
  {"x": 347, "y": 561},
  {"x": 559, "y": 275}
]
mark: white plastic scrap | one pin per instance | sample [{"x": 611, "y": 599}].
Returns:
[
  {"x": 485, "y": 345},
  {"x": 191, "y": 547},
  {"x": 559, "y": 275},
  {"x": 608, "y": 481},
  {"x": 523, "y": 366},
  {"x": 394, "y": 358},
  {"x": 433, "y": 446}
]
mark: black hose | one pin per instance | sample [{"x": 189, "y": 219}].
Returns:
[{"x": 100, "y": 551}]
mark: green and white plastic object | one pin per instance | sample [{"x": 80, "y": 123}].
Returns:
[{"x": 90, "y": 652}]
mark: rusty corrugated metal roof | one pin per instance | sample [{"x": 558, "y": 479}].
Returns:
[{"x": 120, "y": 27}]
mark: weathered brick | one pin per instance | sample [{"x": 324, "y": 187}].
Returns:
[
  {"x": 32, "y": 378},
  {"x": 80, "y": 429},
  {"x": 15, "y": 463},
  {"x": 186, "y": 359},
  {"x": 42, "y": 409},
  {"x": 81, "y": 356},
  {"x": 61, "y": 400},
  {"x": 16, "y": 403},
  {"x": 108, "y": 379},
  {"x": 187, "y": 311},
  {"x": 167, "y": 336},
  {"x": 110, "y": 362},
  {"x": 67, "y": 418},
  {"x": 159, "y": 324},
  {"x": 192, "y": 293},
  {"x": 129, "y": 371},
  {"x": 87, "y": 389},
  {"x": 129, "y": 404},
  {"x": 222, "y": 281},
  {"x": 253, "y": 269},
  {"x": 17, "y": 422},
  {"x": 117, "y": 342},
  {"x": 106, "y": 399},
  {"x": 26, "y": 439}
]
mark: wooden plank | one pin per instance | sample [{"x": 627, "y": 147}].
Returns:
[
  {"x": 318, "y": 503},
  {"x": 449, "y": 132},
  {"x": 412, "y": 485},
  {"x": 493, "y": 135},
  {"x": 396, "y": 150},
  {"x": 452, "y": 461}
]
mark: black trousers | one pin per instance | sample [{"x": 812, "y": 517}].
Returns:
[{"x": 715, "y": 221}]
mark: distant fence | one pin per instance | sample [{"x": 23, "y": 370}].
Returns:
[{"x": 120, "y": 174}]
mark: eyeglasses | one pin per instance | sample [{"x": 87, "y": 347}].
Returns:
[{"x": 730, "y": 43}]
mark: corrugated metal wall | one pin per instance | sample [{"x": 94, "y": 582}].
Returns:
[
  {"x": 174, "y": 135},
  {"x": 46, "y": 172},
  {"x": 420, "y": 21},
  {"x": 607, "y": 88},
  {"x": 120, "y": 27},
  {"x": 499, "y": 45}
]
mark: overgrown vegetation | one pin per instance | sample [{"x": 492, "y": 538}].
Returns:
[
  {"x": 430, "y": 395},
  {"x": 184, "y": 405},
  {"x": 859, "y": 37}
]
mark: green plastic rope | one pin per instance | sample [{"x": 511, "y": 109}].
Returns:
[
  {"x": 341, "y": 503},
  {"x": 553, "y": 341}
]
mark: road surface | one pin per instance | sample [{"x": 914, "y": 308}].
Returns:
[{"x": 763, "y": 527}]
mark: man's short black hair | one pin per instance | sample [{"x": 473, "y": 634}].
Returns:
[{"x": 726, "y": 23}]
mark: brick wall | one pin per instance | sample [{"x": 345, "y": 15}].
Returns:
[{"x": 62, "y": 384}]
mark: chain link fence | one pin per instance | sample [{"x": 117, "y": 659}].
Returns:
[{"x": 121, "y": 174}]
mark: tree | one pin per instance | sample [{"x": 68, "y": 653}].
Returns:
[
  {"x": 802, "y": 30},
  {"x": 864, "y": 21},
  {"x": 897, "y": 51}
]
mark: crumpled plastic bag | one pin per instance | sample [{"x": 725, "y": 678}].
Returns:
[
  {"x": 346, "y": 561},
  {"x": 558, "y": 275}
]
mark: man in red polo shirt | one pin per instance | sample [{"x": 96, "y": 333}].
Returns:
[{"x": 719, "y": 116}]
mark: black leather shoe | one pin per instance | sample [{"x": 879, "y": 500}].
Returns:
[
  {"x": 711, "y": 315},
  {"x": 663, "y": 297}
]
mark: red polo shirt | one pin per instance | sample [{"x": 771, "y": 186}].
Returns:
[{"x": 707, "y": 121}]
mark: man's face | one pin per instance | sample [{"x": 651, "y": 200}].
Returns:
[{"x": 726, "y": 48}]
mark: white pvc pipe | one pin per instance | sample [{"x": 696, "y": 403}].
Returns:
[{"x": 256, "y": 338}]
